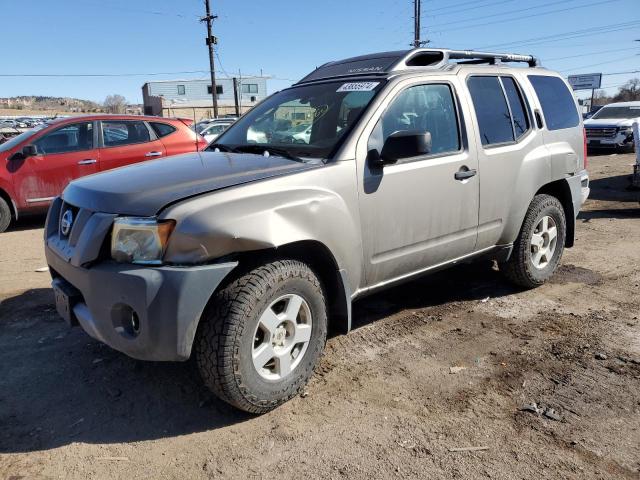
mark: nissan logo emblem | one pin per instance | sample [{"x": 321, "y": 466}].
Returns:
[{"x": 66, "y": 222}]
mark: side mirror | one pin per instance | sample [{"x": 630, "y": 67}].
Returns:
[
  {"x": 29, "y": 151},
  {"x": 401, "y": 144}
]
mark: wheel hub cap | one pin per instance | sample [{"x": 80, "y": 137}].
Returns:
[
  {"x": 281, "y": 337},
  {"x": 543, "y": 242}
]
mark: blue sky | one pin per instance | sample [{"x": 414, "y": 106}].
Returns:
[{"x": 286, "y": 38}]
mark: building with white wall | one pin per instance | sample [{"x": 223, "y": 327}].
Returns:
[{"x": 160, "y": 97}]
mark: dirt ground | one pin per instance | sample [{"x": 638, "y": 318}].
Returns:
[{"x": 383, "y": 404}]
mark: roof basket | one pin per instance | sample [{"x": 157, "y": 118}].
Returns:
[{"x": 419, "y": 58}]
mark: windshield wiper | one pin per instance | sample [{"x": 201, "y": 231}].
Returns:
[{"x": 280, "y": 152}]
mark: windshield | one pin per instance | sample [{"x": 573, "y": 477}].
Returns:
[
  {"x": 8, "y": 145},
  {"x": 305, "y": 121},
  {"x": 618, "y": 112}
]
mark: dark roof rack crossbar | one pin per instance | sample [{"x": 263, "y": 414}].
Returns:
[{"x": 419, "y": 58}]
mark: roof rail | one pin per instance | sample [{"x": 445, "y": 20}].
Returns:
[{"x": 419, "y": 58}]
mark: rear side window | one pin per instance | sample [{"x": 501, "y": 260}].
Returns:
[
  {"x": 123, "y": 132},
  {"x": 162, "y": 129},
  {"x": 494, "y": 120},
  {"x": 558, "y": 105},
  {"x": 518, "y": 109}
]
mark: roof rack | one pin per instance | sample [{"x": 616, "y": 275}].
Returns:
[{"x": 419, "y": 58}]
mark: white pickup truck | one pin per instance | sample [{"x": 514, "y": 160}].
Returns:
[{"x": 612, "y": 126}]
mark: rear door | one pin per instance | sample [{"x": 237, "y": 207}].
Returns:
[
  {"x": 175, "y": 138},
  {"x": 65, "y": 153},
  {"x": 124, "y": 142},
  {"x": 510, "y": 151}
]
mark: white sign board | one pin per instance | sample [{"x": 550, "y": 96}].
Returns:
[{"x": 588, "y": 81}]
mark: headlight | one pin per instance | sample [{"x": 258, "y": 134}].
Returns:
[
  {"x": 625, "y": 129},
  {"x": 140, "y": 240}
]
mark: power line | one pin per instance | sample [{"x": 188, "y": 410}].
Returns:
[
  {"x": 456, "y": 5},
  {"x": 137, "y": 10},
  {"x": 453, "y": 11},
  {"x": 548, "y": 4},
  {"x": 524, "y": 17},
  {"x": 590, "y": 54},
  {"x": 72, "y": 75},
  {"x": 595, "y": 64},
  {"x": 601, "y": 29}
]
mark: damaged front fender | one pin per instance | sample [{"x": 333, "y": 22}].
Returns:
[{"x": 270, "y": 214}]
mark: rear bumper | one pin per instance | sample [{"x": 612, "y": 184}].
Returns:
[
  {"x": 168, "y": 302},
  {"x": 579, "y": 186}
]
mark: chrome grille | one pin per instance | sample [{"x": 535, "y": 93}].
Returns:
[{"x": 608, "y": 132}]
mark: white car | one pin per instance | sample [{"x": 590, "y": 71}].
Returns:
[
  {"x": 213, "y": 130},
  {"x": 612, "y": 126}
]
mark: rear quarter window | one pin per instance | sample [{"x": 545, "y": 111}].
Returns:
[
  {"x": 162, "y": 129},
  {"x": 558, "y": 105}
]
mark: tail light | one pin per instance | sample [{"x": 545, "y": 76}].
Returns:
[{"x": 584, "y": 135}]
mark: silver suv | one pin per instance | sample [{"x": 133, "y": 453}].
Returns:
[{"x": 244, "y": 255}]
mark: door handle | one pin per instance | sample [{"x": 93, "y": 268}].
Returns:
[
  {"x": 465, "y": 173},
  {"x": 153, "y": 154},
  {"x": 88, "y": 161}
]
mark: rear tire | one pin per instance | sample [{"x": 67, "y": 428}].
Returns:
[
  {"x": 5, "y": 215},
  {"x": 261, "y": 336},
  {"x": 539, "y": 246}
]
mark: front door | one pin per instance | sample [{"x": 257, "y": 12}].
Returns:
[
  {"x": 128, "y": 141},
  {"x": 420, "y": 211},
  {"x": 64, "y": 154}
]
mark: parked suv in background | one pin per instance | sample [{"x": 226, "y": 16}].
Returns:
[
  {"x": 612, "y": 126},
  {"x": 245, "y": 254},
  {"x": 38, "y": 164}
]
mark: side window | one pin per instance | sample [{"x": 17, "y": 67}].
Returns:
[
  {"x": 70, "y": 138},
  {"x": 162, "y": 129},
  {"x": 429, "y": 108},
  {"x": 181, "y": 90},
  {"x": 124, "y": 132},
  {"x": 519, "y": 112},
  {"x": 492, "y": 112},
  {"x": 558, "y": 105}
]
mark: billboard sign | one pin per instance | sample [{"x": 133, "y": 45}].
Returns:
[{"x": 587, "y": 81}]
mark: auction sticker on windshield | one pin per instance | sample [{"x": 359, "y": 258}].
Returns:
[{"x": 358, "y": 87}]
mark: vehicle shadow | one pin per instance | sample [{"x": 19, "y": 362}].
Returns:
[
  {"x": 587, "y": 215},
  {"x": 614, "y": 189},
  {"x": 28, "y": 222},
  {"x": 473, "y": 281},
  {"x": 57, "y": 385}
]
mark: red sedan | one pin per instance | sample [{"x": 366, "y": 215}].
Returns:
[{"x": 38, "y": 164}]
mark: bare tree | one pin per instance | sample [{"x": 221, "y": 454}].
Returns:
[
  {"x": 115, "y": 104},
  {"x": 629, "y": 92}
]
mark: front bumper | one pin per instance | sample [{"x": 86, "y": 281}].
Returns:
[
  {"x": 168, "y": 301},
  {"x": 618, "y": 141}
]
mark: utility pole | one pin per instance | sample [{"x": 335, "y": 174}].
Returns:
[
  {"x": 417, "y": 14},
  {"x": 416, "y": 23},
  {"x": 211, "y": 41}
]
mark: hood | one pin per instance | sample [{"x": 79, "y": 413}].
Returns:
[
  {"x": 609, "y": 122},
  {"x": 145, "y": 188}
]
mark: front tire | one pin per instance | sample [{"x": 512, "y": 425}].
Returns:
[
  {"x": 262, "y": 335},
  {"x": 539, "y": 246},
  {"x": 5, "y": 215}
]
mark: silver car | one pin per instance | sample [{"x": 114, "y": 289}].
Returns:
[{"x": 245, "y": 254}]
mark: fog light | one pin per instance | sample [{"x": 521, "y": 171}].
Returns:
[{"x": 125, "y": 320}]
